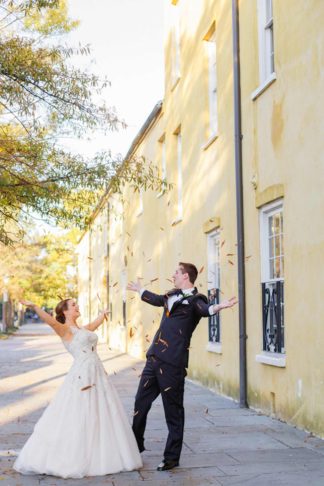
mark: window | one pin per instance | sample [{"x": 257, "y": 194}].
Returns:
[
  {"x": 210, "y": 42},
  {"x": 272, "y": 277},
  {"x": 162, "y": 152},
  {"x": 213, "y": 242},
  {"x": 266, "y": 45},
  {"x": 140, "y": 208},
  {"x": 179, "y": 169},
  {"x": 175, "y": 44}
]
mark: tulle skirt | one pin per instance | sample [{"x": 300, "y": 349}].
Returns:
[{"x": 84, "y": 431}]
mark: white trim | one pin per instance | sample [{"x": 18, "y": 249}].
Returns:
[
  {"x": 214, "y": 348},
  {"x": 175, "y": 46},
  {"x": 141, "y": 204},
  {"x": 180, "y": 175},
  {"x": 268, "y": 82},
  {"x": 266, "y": 212},
  {"x": 163, "y": 164},
  {"x": 264, "y": 37},
  {"x": 213, "y": 259},
  {"x": 272, "y": 359}
]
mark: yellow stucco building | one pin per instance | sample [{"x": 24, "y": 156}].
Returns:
[{"x": 191, "y": 136}]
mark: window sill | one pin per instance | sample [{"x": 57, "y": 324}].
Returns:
[
  {"x": 272, "y": 359},
  {"x": 209, "y": 141},
  {"x": 271, "y": 79},
  {"x": 214, "y": 348}
]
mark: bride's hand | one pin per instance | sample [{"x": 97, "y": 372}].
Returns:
[
  {"x": 105, "y": 314},
  {"x": 27, "y": 303}
]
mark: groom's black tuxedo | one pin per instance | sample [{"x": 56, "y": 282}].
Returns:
[
  {"x": 165, "y": 369},
  {"x": 172, "y": 341}
]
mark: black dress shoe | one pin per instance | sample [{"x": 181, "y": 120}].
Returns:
[{"x": 165, "y": 465}]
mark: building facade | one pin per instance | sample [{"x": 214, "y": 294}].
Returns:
[{"x": 190, "y": 136}]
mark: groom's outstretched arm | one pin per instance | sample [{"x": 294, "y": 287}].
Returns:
[
  {"x": 146, "y": 295},
  {"x": 205, "y": 310},
  {"x": 151, "y": 298}
]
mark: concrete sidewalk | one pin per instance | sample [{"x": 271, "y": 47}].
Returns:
[{"x": 223, "y": 444}]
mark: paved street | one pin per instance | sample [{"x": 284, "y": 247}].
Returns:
[{"x": 223, "y": 445}]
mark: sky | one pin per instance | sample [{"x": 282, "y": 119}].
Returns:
[{"x": 126, "y": 40}]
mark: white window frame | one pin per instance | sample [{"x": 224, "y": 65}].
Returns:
[
  {"x": 178, "y": 142},
  {"x": 175, "y": 45},
  {"x": 269, "y": 358},
  {"x": 140, "y": 210},
  {"x": 265, "y": 213},
  {"x": 267, "y": 73},
  {"x": 213, "y": 275},
  {"x": 162, "y": 151},
  {"x": 211, "y": 47}
]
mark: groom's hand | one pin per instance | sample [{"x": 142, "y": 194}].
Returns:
[
  {"x": 135, "y": 286},
  {"x": 228, "y": 303}
]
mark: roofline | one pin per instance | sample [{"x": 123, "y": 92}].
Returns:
[{"x": 137, "y": 140}]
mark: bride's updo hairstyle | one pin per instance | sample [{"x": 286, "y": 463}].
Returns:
[{"x": 59, "y": 310}]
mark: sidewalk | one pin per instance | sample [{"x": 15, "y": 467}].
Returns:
[{"x": 223, "y": 444}]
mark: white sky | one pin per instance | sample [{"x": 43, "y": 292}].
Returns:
[{"x": 126, "y": 39}]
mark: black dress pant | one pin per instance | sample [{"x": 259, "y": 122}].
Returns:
[{"x": 160, "y": 377}]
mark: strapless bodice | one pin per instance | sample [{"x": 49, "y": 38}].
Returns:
[{"x": 84, "y": 342}]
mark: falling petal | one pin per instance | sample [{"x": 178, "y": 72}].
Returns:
[
  {"x": 167, "y": 389},
  {"x": 86, "y": 387},
  {"x": 229, "y": 261},
  {"x": 222, "y": 243},
  {"x": 135, "y": 413},
  {"x": 116, "y": 283},
  {"x": 146, "y": 383},
  {"x": 154, "y": 279},
  {"x": 161, "y": 371},
  {"x": 162, "y": 229},
  {"x": 201, "y": 270},
  {"x": 206, "y": 411}
]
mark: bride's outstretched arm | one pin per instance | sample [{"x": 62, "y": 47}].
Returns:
[
  {"x": 58, "y": 327},
  {"x": 97, "y": 322}
]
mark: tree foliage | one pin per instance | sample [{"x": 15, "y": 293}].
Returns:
[
  {"x": 42, "y": 267},
  {"x": 44, "y": 97}
]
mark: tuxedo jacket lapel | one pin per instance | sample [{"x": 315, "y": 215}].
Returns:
[{"x": 178, "y": 302}]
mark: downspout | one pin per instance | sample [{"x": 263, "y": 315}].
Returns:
[{"x": 239, "y": 202}]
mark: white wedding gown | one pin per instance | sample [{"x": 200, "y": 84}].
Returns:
[{"x": 84, "y": 431}]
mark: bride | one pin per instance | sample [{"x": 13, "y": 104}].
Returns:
[{"x": 84, "y": 431}]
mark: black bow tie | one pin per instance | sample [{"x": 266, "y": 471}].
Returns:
[{"x": 179, "y": 292}]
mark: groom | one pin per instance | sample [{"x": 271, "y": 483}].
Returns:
[{"x": 167, "y": 356}]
